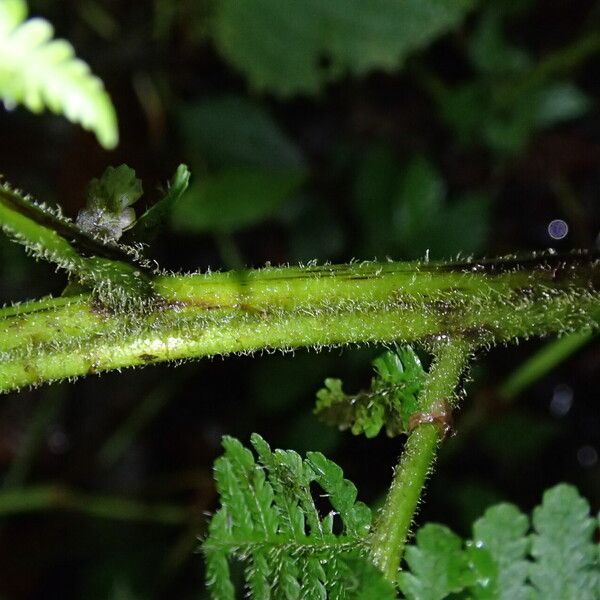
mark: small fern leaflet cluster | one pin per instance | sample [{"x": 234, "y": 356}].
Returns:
[
  {"x": 41, "y": 72},
  {"x": 269, "y": 521},
  {"x": 389, "y": 402}
]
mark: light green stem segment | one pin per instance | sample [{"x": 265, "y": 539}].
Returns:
[
  {"x": 284, "y": 308},
  {"x": 543, "y": 362},
  {"x": 393, "y": 525},
  {"x": 54, "y": 497}
]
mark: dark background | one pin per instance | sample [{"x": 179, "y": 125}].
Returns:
[{"x": 473, "y": 145}]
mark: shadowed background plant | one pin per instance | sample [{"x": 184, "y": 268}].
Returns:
[{"x": 469, "y": 133}]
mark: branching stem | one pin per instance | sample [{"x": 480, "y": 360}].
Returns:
[
  {"x": 395, "y": 520},
  {"x": 284, "y": 308}
]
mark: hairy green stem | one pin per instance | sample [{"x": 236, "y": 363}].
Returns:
[
  {"x": 286, "y": 308},
  {"x": 394, "y": 522}
]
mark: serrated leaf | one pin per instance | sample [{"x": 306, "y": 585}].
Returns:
[
  {"x": 41, "y": 72},
  {"x": 218, "y": 576},
  {"x": 314, "y": 42},
  {"x": 438, "y": 565},
  {"x": 504, "y": 562},
  {"x": 502, "y": 532},
  {"x": 567, "y": 564},
  {"x": 342, "y": 494}
]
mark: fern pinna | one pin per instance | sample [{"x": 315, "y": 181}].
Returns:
[
  {"x": 40, "y": 72},
  {"x": 270, "y": 521}
]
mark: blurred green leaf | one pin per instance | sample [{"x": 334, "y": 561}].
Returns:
[
  {"x": 567, "y": 560},
  {"x": 559, "y": 102},
  {"x": 501, "y": 531},
  {"x": 529, "y": 437},
  {"x": 491, "y": 53},
  {"x": 370, "y": 584},
  {"x": 374, "y": 188},
  {"x": 512, "y": 98},
  {"x": 41, "y": 72},
  {"x": 232, "y": 131},
  {"x": 464, "y": 226},
  {"x": 404, "y": 210},
  {"x": 424, "y": 222},
  {"x": 438, "y": 565},
  {"x": 315, "y": 231},
  {"x": 503, "y": 561},
  {"x": 233, "y": 199},
  {"x": 420, "y": 200},
  {"x": 297, "y": 47}
]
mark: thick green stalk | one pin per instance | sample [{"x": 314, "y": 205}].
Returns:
[
  {"x": 435, "y": 402},
  {"x": 285, "y": 308}
]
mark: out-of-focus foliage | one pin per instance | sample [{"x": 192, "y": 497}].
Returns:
[
  {"x": 403, "y": 209},
  {"x": 41, "y": 72},
  {"x": 251, "y": 166},
  {"x": 512, "y": 97},
  {"x": 311, "y": 43}
]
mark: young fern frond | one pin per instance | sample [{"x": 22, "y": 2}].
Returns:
[
  {"x": 269, "y": 521},
  {"x": 41, "y": 72},
  {"x": 389, "y": 402}
]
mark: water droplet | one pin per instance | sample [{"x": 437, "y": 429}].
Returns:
[
  {"x": 558, "y": 229},
  {"x": 562, "y": 400},
  {"x": 587, "y": 456}
]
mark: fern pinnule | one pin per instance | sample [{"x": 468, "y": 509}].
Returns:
[{"x": 41, "y": 72}]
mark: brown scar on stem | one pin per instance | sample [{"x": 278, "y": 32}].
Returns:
[{"x": 439, "y": 415}]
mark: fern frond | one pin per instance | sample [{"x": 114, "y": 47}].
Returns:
[
  {"x": 389, "y": 402},
  {"x": 270, "y": 522},
  {"x": 559, "y": 559},
  {"x": 40, "y": 72}
]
